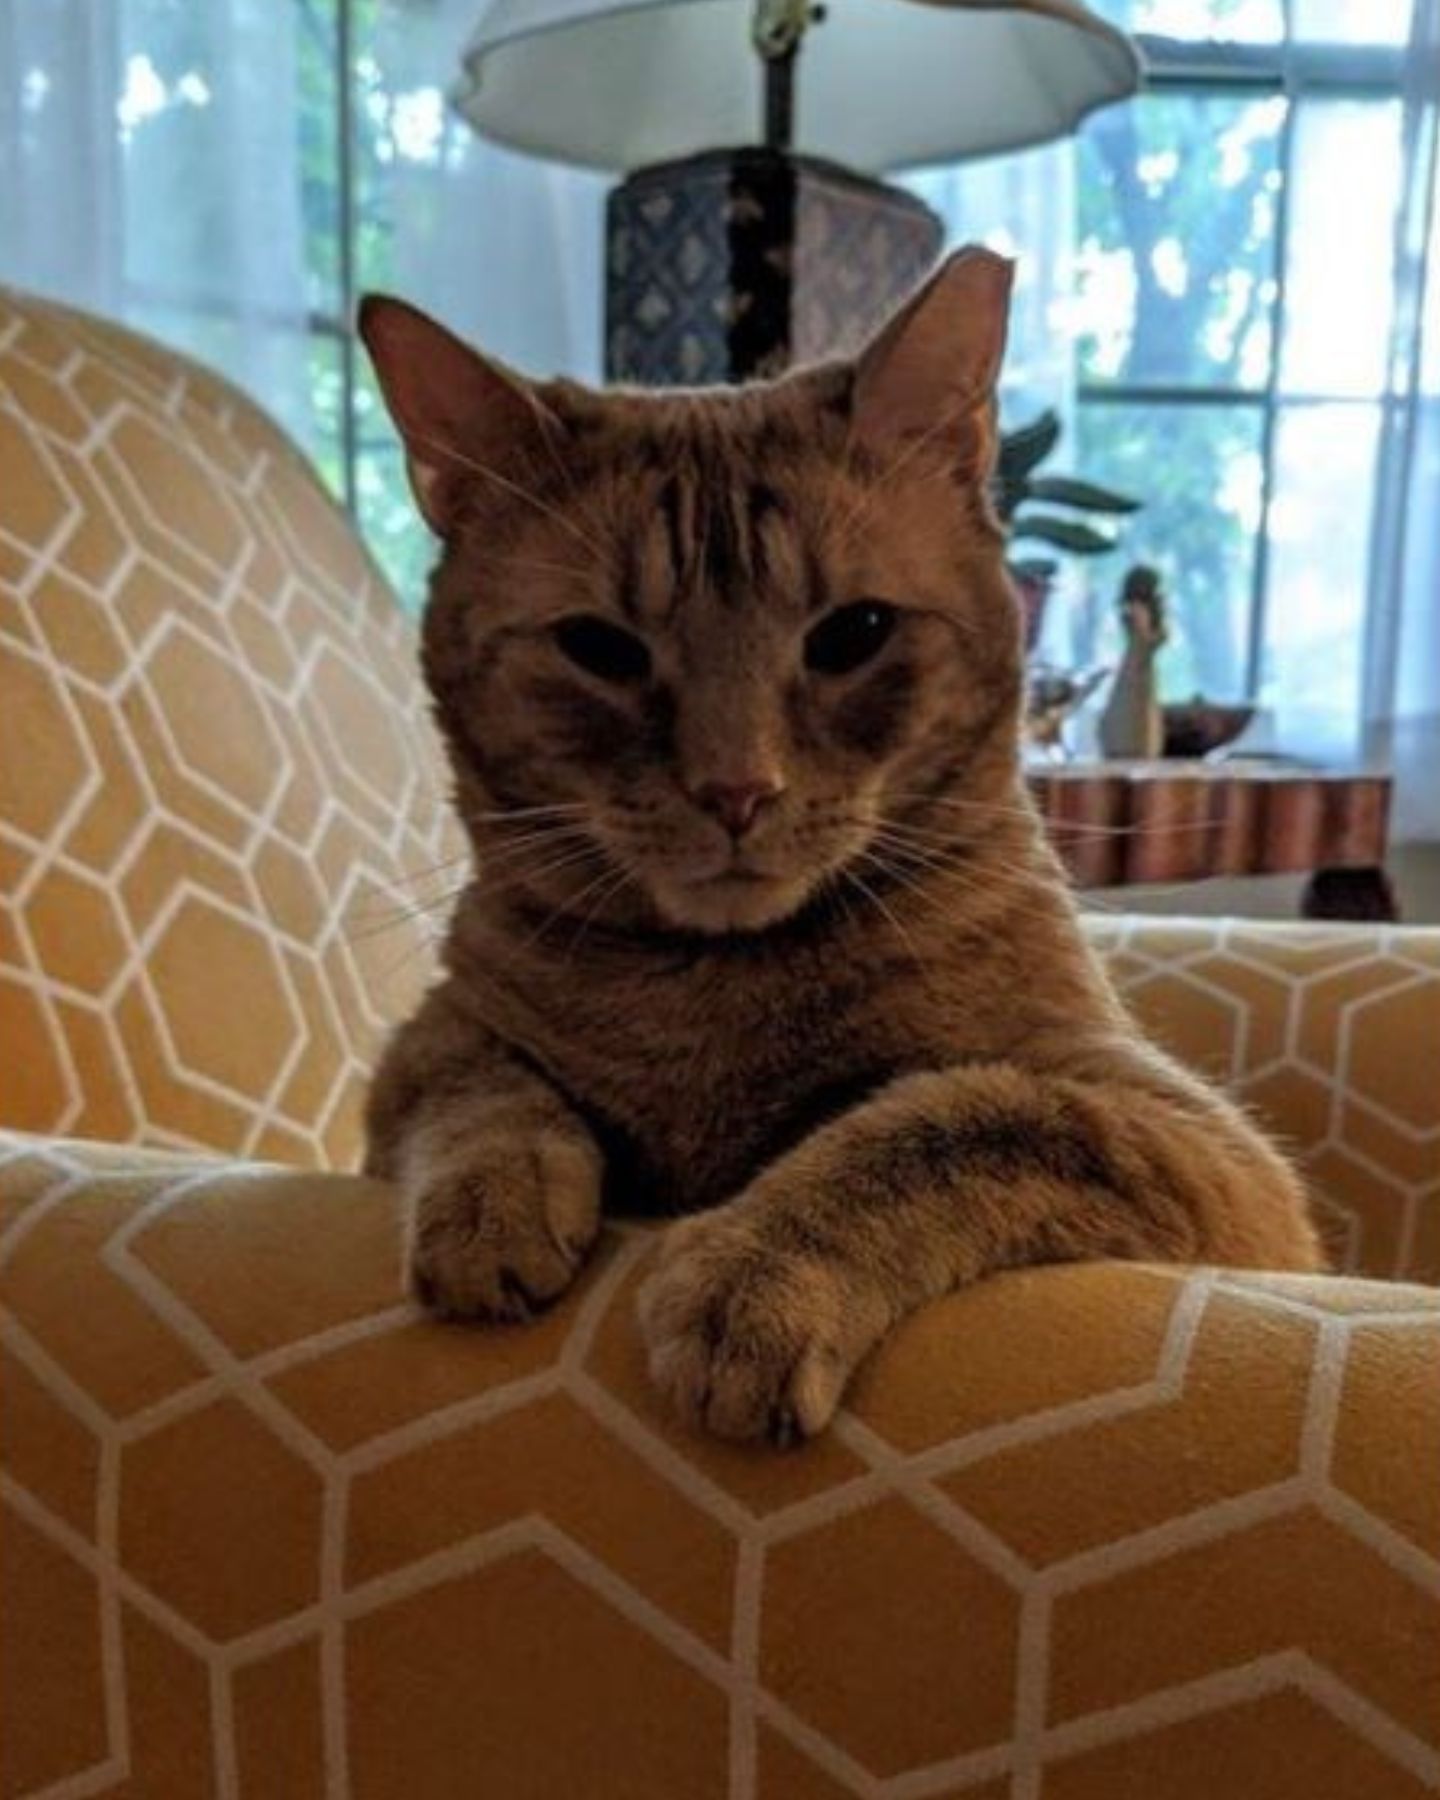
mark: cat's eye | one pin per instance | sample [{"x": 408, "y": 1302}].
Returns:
[
  {"x": 606, "y": 651},
  {"x": 848, "y": 637}
]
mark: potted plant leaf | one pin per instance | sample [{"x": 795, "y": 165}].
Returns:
[{"x": 1025, "y": 501}]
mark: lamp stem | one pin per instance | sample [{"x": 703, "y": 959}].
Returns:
[{"x": 780, "y": 99}]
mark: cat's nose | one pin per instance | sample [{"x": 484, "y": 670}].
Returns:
[{"x": 735, "y": 803}]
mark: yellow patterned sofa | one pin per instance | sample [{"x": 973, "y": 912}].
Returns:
[{"x": 1084, "y": 1534}]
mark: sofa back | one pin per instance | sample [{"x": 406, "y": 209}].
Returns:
[
  {"x": 225, "y": 844},
  {"x": 220, "y": 799}
]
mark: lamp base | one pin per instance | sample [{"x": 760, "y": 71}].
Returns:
[{"x": 738, "y": 264}]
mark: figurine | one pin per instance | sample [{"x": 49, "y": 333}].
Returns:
[
  {"x": 1131, "y": 725},
  {"x": 1052, "y": 697}
]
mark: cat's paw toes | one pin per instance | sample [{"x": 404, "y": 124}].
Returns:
[
  {"x": 505, "y": 1234},
  {"x": 745, "y": 1342}
]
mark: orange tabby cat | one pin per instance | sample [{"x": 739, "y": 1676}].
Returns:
[{"x": 764, "y": 929}]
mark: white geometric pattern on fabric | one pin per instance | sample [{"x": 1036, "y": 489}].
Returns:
[
  {"x": 1330, "y": 1315},
  {"x": 1303, "y": 1026},
  {"x": 222, "y": 794}
]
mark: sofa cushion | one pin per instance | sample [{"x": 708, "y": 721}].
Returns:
[
  {"x": 1094, "y": 1531},
  {"x": 221, "y": 811},
  {"x": 1330, "y": 1034}
]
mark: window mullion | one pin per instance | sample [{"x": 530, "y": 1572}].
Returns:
[
  {"x": 1336, "y": 70},
  {"x": 1260, "y": 564},
  {"x": 1129, "y": 393},
  {"x": 345, "y": 201}
]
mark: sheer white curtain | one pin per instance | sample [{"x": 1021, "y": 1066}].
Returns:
[
  {"x": 150, "y": 170},
  {"x": 1402, "y": 688},
  {"x": 174, "y": 163},
  {"x": 61, "y": 227},
  {"x": 506, "y": 249}
]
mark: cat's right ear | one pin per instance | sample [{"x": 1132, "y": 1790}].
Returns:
[
  {"x": 469, "y": 425},
  {"x": 928, "y": 378}
]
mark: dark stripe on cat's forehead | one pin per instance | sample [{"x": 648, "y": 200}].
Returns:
[
  {"x": 724, "y": 545},
  {"x": 675, "y": 514},
  {"x": 715, "y": 527},
  {"x": 741, "y": 511},
  {"x": 764, "y": 500}
]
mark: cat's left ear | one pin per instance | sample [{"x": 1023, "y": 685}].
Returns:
[
  {"x": 472, "y": 428},
  {"x": 929, "y": 376}
]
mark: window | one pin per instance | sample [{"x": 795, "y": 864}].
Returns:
[
  {"x": 1218, "y": 252},
  {"x": 1234, "y": 240},
  {"x": 257, "y": 188}
]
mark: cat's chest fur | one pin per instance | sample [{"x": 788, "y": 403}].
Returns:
[{"x": 697, "y": 1072}]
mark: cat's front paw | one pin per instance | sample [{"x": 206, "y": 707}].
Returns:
[
  {"x": 748, "y": 1338},
  {"x": 502, "y": 1229}
]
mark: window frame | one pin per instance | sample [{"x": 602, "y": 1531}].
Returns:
[{"x": 1298, "y": 72}]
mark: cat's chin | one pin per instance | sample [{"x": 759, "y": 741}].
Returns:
[{"x": 730, "y": 903}]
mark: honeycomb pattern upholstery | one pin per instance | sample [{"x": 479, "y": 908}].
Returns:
[
  {"x": 1083, "y": 1534},
  {"x": 220, "y": 812},
  {"x": 1331, "y": 1035}
]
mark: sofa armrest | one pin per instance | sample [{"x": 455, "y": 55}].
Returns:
[
  {"x": 266, "y": 1525},
  {"x": 1331, "y": 1035}
]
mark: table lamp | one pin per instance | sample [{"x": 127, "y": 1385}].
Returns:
[{"x": 750, "y": 231}]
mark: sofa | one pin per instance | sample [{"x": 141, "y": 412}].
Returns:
[{"x": 1082, "y": 1533}]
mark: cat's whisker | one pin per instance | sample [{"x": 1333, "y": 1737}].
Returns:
[
  {"x": 958, "y": 849},
  {"x": 951, "y": 872},
  {"x": 467, "y": 858},
  {"x": 1003, "y": 879},
  {"x": 566, "y": 906},
  {"x": 1075, "y": 827},
  {"x": 426, "y": 910},
  {"x": 983, "y": 869},
  {"x": 879, "y": 901},
  {"x": 836, "y": 886},
  {"x": 422, "y": 911},
  {"x": 605, "y": 895},
  {"x": 554, "y": 808},
  {"x": 955, "y": 869},
  {"x": 414, "y": 877},
  {"x": 516, "y": 862},
  {"x": 1000, "y": 809},
  {"x": 502, "y": 841},
  {"x": 574, "y": 856},
  {"x": 920, "y": 834},
  {"x": 508, "y": 850},
  {"x": 967, "y": 846},
  {"x": 561, "y": 467},
  {"x": 961, "y": 842}
]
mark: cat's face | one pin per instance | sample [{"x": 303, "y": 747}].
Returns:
[{"x": 705, "y": 654}]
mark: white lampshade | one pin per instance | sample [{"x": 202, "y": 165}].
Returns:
[{"x": 880, "y": 84}]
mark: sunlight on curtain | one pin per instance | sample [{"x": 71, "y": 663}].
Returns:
[
  {"x": 149, "y": 169},
  {"x": 178, "y": 166},
  {"x": 505, "y": 249}
]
